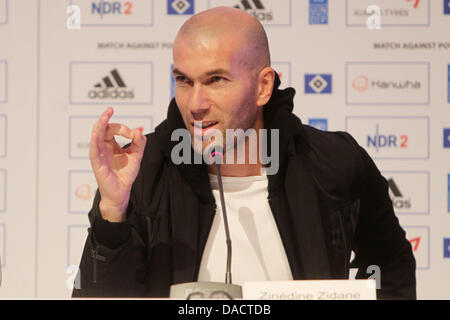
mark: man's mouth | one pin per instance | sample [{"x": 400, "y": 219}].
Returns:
[{"x": 204, "y": 124}]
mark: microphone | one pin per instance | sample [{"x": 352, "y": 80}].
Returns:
[
  {"x": 216, "y": 157},
  {"x": 205, "y": 290}
]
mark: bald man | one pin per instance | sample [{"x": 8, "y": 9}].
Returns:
[{"x": 155, "y": 220}]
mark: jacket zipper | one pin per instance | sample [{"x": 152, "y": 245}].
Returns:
[{"x": 96, "y": 256}]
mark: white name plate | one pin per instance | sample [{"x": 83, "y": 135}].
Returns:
[{"x": 311, "y": 290}]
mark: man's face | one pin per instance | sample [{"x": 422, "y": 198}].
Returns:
[{"x": 213, "y": 85}]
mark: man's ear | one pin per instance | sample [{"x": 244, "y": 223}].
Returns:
[{"x": 266, "y": 79}]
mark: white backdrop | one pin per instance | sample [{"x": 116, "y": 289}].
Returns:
[{"x": 389, "y": 87}]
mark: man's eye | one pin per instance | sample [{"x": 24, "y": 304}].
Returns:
[
  {"x": 180, "y": 79},
  {"x": 218, "y": 79}
]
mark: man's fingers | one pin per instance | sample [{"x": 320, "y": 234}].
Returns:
[
  {"x": 117, "y": 129},
  {"x": 138, "y": 141},
  {"x": 100, "y": 125},
  {"x": 94, "y": 152}
]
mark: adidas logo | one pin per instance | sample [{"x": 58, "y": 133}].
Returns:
[
  {"x": 255, "y": 8},
  {"x": 246, "y": 5},
  {"x": 398, "y": 199},
  {"x": 111, "y": 86},
  {"x": 108, "y": 83},
  {"x": 394, "y": 188}
]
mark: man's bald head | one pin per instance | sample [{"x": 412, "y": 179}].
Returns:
[
  {"x": 249, "y": 38},
  {"x": 222, "y": 73}
]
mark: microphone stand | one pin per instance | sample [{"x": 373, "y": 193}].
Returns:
[
  {"x": 211, "y": 290},
  {"x": 225, "y": 222}
]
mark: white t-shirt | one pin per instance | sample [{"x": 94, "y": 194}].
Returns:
[{"x": 257, "y": 251}]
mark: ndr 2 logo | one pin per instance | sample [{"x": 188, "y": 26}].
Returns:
[
  {"x": 111, "y": 7},
  {"x": 386, "y": 141}
]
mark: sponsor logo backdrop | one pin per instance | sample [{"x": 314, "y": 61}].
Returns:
[{"x": 381, "y": 74}]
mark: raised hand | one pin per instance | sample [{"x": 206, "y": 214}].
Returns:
[{"x": 115, "y": 169}]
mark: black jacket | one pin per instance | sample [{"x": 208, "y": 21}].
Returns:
[{"x": 328, "y": 198}]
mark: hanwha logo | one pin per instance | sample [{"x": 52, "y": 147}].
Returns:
[
  {"x": 83, "y": 192},
  {"x": 361, "y": 83}
]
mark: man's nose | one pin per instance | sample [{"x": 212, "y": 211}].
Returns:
[{"x": 199, "y": 103}]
